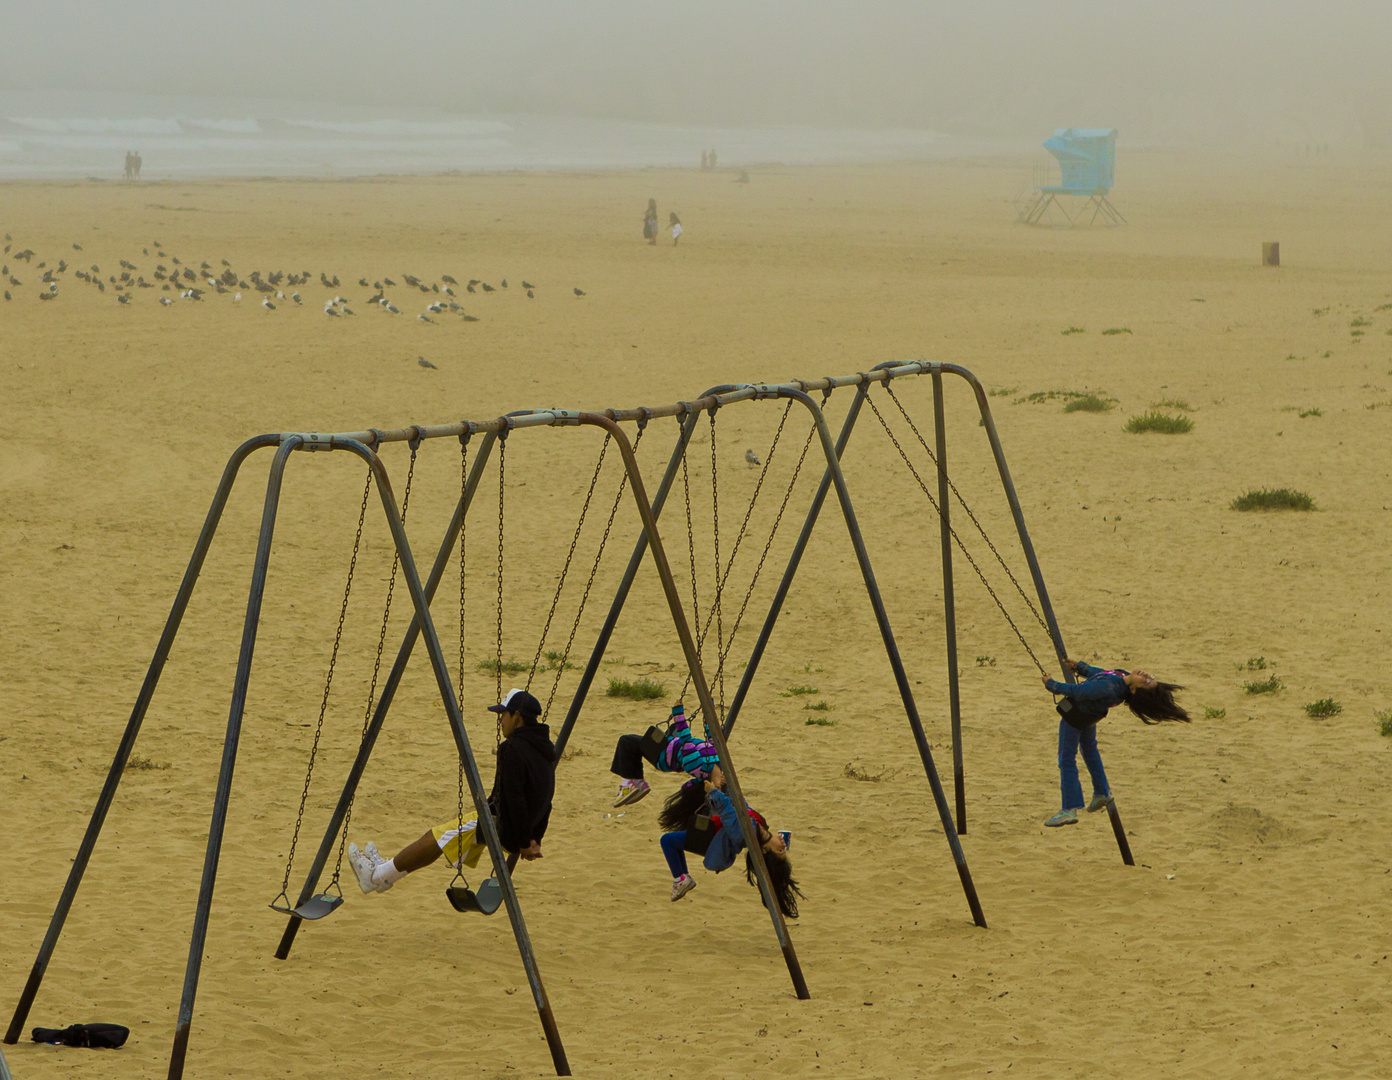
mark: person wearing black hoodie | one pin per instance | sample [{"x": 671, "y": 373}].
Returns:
[{"x": 523, "y": 786}]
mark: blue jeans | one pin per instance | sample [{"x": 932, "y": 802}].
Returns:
[
  {"x": 1070, "y": 741},
  {"x": 673, "y": 848}
]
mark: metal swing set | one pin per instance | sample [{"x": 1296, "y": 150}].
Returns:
[{"x": 498, "y": 890}]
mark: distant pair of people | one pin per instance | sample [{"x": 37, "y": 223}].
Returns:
[
  {"x": 707, "y": 159},
  {"x": 651, "y": 229},
  {"x": 133, "y": 164}
]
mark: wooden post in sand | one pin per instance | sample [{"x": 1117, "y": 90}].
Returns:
[{"x": 1271, "y": 253}]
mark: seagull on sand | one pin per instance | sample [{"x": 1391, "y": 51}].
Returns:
[
  {"x": 77, "y": 247},
  {"x": 166, "y": 301},
  {"x": 529, "y": 295},
  {"x": 329, "y": 310},
  {"x": 295, "y": 297},
  {"x": 123, "y": 299},
  {"x": 579, "y": 292},
  {"x": 446, "y": 277},
  {"x": 750, "y": 457},
  {"x": 423, "y": 317},
  {"x": 266, "y": 303},
  {"x": 486, "y": 287},
  {"x": 423, "y": 362},
  {"x": 528, "y": 285}
]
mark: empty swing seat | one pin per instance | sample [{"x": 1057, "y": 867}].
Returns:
[
  {"x": 485, "y": 901},
  {"x": 316, "y": 907}
]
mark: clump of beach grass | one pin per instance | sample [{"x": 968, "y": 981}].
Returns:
[
  {"x": 1159, "y": 423},
  {"x": 1074, "y": 330},
  {"x": 820, "y": 721},
  {"x": 1270, "y": 685},
  {"x": 1113, "y": 331},
  {"x": 1273, "y": 499},
  {"x": 635, "y": 689},
  {"x": 798, "y": 691},
  {"x": 1211, "y": 713},
  {"x": 1174, "y": 403},
  {"x": 1309, "y": 412},
  {"x": 820, "y": 706},
  {"x": 503, "y": 667},
  {"x": 1323, "y": 709},
  {"x": 1088, "y": 403},
  {"x": 1384, "y": 721}
]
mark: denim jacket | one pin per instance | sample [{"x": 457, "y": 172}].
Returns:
[
  {"x": 728, "y": 841},
  {"x": 1087, "y": 702}
]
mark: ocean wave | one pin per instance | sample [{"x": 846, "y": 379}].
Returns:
[
  {"x": 97, "y": 125},
  {"x": 231, "y": 127},
  {"x": 411, "y": 129}
]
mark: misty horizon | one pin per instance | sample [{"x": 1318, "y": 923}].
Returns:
[{"x": 1183, "y": 73}]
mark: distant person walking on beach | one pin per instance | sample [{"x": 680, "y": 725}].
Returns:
[
  {"x": 130, "y": 165},
  {"x": 135, "y": 161},
  {"x": 650, "y": 222},
  {"x": 712, "y": 157},
  {"x": 675, "y": 223},
  {"x": 1082, "y": 706}
]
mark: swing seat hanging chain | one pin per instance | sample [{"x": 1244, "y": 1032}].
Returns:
[{"x": 328, "y": 686}]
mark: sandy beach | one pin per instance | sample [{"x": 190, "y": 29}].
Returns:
[{"x": 1248, "y": 940}]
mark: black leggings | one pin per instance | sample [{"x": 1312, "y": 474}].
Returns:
[{"x": 628, "y": 758}]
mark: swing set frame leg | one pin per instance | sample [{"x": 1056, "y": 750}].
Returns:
[
  {"x": 369, "y": 740},
  {"x": 132, "y": 731}
]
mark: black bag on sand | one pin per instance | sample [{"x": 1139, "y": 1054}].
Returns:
[{"x": 97, "y": 1036}]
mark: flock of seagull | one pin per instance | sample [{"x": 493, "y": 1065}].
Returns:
[{"x": 186, "y": 282}]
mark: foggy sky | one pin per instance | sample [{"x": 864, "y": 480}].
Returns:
[{"x": 1165, "y": 71}]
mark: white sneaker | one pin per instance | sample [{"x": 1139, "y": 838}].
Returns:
[
  {"x": 681, "y": 886},
  {"x": 370, "y": 849},
  {"x": 630, "y": 791},
  {"x": 362, "y": 868}
]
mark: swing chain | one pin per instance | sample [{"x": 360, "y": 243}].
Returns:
[
  {"x": 691, "y": 560},
  {"x": 963, "y": 502},
  {"x": 570, "y": 555},
  {"x": 754, "y": 581},
  {"x": 463, "y": 532},
  {"x": 498, "y": 655},
  {"x": 957, "y": 539},
  {"x": 328, "y": 684},
  {"x": 723, "y": 646},
  {"x": 716, "y": 607},
  {"x": 377, "y": 662},
  {"x": 589, "y": 582}
]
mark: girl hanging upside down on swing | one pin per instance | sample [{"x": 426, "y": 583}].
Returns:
[
  {"x": 682, "y": 752},
  {"x": 678, "y": 816},
  {"x": 1082, "y": 706}
]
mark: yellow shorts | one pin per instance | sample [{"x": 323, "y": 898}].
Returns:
[{"x": 456, "y": 836}]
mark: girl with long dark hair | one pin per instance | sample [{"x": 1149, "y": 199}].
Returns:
[
  {"x": 726, "y": 844},
  {"x": 1082, "y": 706}
]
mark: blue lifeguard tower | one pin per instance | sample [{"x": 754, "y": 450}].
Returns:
[{"x": 1087, "y": 158}]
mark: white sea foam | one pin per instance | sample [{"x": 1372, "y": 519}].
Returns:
[{"x": 44, "y": 135}]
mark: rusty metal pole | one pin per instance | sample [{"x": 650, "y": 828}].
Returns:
[
  {"x": 384, "y": 703},
  {"x": 1027, "y": 545},
  {"x": 486, "y": 825},
  {"x": 127, "y": 744},
  {"x": 229, "y": 758},
  {"x": 698, "y": 680},
  {"x": 954, "y": 695}
]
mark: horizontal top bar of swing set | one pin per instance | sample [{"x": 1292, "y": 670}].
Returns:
[{"x": 570, "y": 417}]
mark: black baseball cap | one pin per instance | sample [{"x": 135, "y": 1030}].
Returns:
[{"x": 518, "y": 701}]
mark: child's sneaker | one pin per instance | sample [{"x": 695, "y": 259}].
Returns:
[
  {"x": 1063, "y": 817},
  {"x": 1099, "y": 802},
  {"x": 362, "y": 868},
  {"x": 630, "y": 791},
  {"x": 682, "y": 886}
]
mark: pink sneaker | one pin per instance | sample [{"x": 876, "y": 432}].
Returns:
[
  {"x": 630, "y": 791},
  {"x": 681, "y": 886}
]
